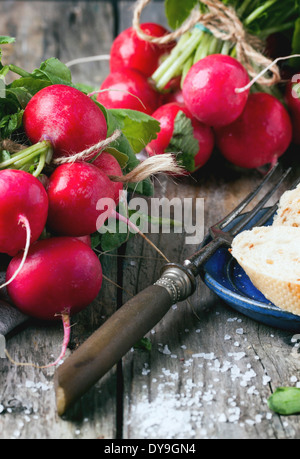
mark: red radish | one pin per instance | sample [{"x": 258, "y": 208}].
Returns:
[
  {"x": 111, "y": 167},
  {"x": 65, "y": 116},
  {"x": 61, "y": 276},
  {"x": 129, "y": 89},
  {"x": 175, "y": 96},
  {"x": 259, "y": 136},
  {"x": 130, "y": 51},
  {"x": 209, "y": 90},
  {"x": 85, "y": 239},
  {"x": 293, "y": 101},
  {"x": 23, "y": 210},
  {"x": 73, "y": 192},
  {"x": 166, "y": 115}
]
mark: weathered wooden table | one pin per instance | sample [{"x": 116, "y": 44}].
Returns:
[{"x": 210, "y": 369}]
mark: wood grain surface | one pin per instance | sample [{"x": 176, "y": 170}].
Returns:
[{"x": 210, "y": 369}]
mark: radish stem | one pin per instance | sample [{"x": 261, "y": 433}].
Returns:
[
  {"x": 172, "y": 57},
  {"x": 27, "y": 157},
  {"x": 174, "y": 63},
  {"x": 18, "y": 71},
  {"x": 137, "y": 230},
  {"x": 256, "y": 13}
]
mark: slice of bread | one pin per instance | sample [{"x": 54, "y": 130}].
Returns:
[
  {"x": 288, "y": 212},
  {"x": 270, "y": 256}
]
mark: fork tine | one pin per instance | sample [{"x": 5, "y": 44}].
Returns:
[
  {"x": 250, "y": 215},
  {"x": 232, "y": 215}
]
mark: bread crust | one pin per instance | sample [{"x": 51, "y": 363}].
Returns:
[{"x": 271, "y": 259}]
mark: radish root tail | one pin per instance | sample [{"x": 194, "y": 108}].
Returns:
[
  {"x": 67, "y": 333},
  {"x": 26, "y": 225},
  {"x": 137, "y": 230}
]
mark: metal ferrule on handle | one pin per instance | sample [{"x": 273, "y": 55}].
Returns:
[{"x": 107, "y": 345}]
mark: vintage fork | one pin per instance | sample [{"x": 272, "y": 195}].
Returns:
[{"x": 139, "y": 315}]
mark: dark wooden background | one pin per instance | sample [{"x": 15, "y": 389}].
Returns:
[{"x": 210, "y": 370}]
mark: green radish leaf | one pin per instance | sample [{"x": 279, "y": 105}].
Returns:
[
  {"x": 183, "y": 142},
  {"x": 21, "y": 94},
  {"x": 87, "y": 89},
  {"x": 177, "y": 11},
  {"x": 4, "y": 40},
  {"x": 55, "y": 71},
  {"x": 114, "y": 238},
  {"x": 285, "y": 400},
  {"x": 112, "y": 241},
  {"x": 296, "y": 45},
  {"x": 95, "y": 240},
  {"x": 4, "y": 155},
  {"x": 148, "y": 189},
  {"x": 123, "y": 146},
  {"x": 30, "y": 84},
  {"x": 10, "y": 123},
  {"x": 120, "y": 157},
  {"x": 138, "y": 127},
  {"x": 143, "y": 344}
]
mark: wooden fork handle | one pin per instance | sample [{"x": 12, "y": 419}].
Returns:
[{"x": 107, "y": 345}]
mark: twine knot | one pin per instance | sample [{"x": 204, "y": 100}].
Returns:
[{"x": 223, "y": 22}]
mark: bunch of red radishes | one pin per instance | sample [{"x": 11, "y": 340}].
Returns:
[
  {"x": 249, "y": 129},
  {"x": 60, "y": 274}
]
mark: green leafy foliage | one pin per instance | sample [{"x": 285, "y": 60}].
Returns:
[
  {"x": 261, "y": 18},
  {"x": 137, "y": 130},
  {"x": 5, "y": 40},
  {"x": 183, "y": 142},
  {"x": 143, "y": 344},
  {"x": 115, "y": 233},
  {"x": 178, "y": 11},
  {"x": 285, "y": 400},
  {"x": 15, "y": 96},
  {"x": 54, "y": 71},
  {"x": 296, "y": 45},
  {"x": 138, "y": 127}
]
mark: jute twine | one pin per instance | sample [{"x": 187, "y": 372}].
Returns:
[
  {"x": 147, "y": 168},
  {"x": 223, "y": 22},
  {"x": 93, "y": 150}
]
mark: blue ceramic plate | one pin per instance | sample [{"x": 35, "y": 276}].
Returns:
[{"x": 223, "y": 275}]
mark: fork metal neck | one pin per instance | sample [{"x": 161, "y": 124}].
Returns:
[
  {"x": 180, "y": 280},
  {"x": 198, "y": 259}
]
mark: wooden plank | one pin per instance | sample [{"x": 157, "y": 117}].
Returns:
[
  {"x": 154, "y": 12},
  {"x": 66, "y": 30},
  {"x": 63, "y": 29},
  {"x": 211, "y": 369}
]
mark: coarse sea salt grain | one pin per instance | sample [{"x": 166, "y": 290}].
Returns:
[
  {"x": 164, "y": 349},
  {"x": 191, "y": 407},
  {"x": 266, "y": 380}
]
